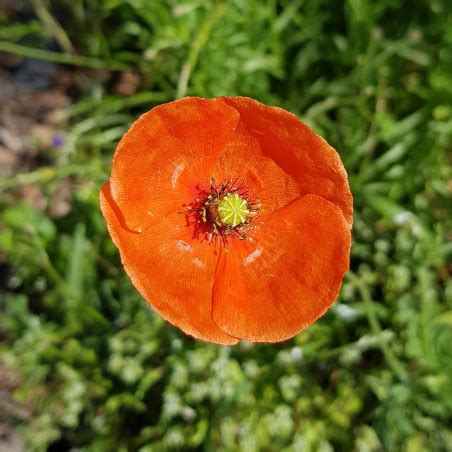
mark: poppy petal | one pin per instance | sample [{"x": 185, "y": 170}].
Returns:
[
  {"x": 242, "y": 160},
  {"x": 271, "y": 289},
  {"x": 174, "y": 273},
  {"x": 156, "y": 159},
  {"x": 271, "y": 185},
  {"x": 297, "y": 150}
]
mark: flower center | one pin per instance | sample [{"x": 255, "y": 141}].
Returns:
[
  {"x": 233, "y": 210},
  {"x": 225, "y": 210}
]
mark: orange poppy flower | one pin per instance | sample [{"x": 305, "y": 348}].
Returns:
[{"x": 232, "y": 218}]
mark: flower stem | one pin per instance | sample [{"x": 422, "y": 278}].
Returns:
[
  {"x": 375, "y": 326},
  {"x": 62, "y": 58},
  {"x": 53, "y": 26},
  {"x": 197, "y": 44},
  {"x": 40, "y": 175}
]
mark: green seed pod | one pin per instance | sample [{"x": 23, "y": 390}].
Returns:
[{"x": 233, "y": 210}]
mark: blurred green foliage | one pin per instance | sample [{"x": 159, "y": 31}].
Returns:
[{"x": 99, "y": 371}]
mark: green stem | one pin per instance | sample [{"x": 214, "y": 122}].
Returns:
[
  {"x": 197, "y": 44},
  {"x": 375, "y": 326},
  {"x": 41, "y": 175},
  {"x": 47, "y": 264},
  {"x": 53, "y": 26},
  {"x": 62, "y": 58}
]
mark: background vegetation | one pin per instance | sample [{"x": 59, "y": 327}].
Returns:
[{"x": 85, "y": 364}]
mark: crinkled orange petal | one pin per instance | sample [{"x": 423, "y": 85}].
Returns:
[
  {"x": 156, "y": 160},
  {"x": 173, "y": 272},
  {"x": 297, "y": 150},
  {"x": 240, "y": 153},
  {"x": 242, "y": 160},
  {"x": 270, "y": 289}
]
